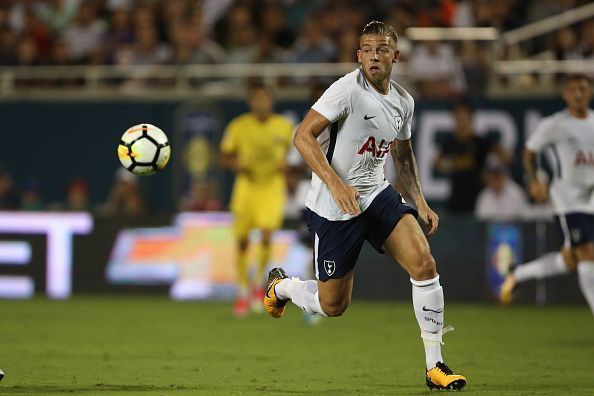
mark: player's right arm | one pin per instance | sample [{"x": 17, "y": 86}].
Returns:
[
  {"x": 537, "y": 189},
  {"x": 346, "y": 197},
  {"x": 543, "y": 136}
]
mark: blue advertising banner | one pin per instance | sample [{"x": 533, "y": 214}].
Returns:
[{"x": 504, "y": 249}]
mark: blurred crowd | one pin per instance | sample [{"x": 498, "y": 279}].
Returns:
[
  {"x": 124, "y": 198},
  {"x": 142, "y": 32}
]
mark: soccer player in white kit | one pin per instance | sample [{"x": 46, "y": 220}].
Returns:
[
  {"x": 568, "y": 138},
  {"x": 345, "y": 139}
]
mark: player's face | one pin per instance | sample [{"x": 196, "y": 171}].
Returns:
[
  {"x": 260, "y": 102},
  {"x": 577, "y": 94},
  {"x": 377, "y": 54}
]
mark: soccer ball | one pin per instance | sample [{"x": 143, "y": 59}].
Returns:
[{"x": 144, "y": 149}]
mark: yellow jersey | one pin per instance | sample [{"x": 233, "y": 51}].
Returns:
[
  {"x": 261, "y": 147},
  {"x": 259, "y": 195}
]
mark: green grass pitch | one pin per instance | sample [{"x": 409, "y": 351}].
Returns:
[{"x": 150, "y": 345}]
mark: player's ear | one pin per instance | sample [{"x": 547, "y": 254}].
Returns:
[
  {"x": 396, "y": 56},
  {"x": 359, "y": 55}
]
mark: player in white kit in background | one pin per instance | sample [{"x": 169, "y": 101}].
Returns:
[
  {"x": 345, "y": 139},
  {"x": 568, "y": 139}
]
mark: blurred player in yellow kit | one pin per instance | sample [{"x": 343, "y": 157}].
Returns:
[{"x": 255, "y": 147}]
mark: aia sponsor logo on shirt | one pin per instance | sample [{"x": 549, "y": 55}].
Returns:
[
  {"x": 377, "y": 150},
  {"x": 584, "y": 158}
]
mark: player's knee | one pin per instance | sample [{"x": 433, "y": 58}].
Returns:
[
  {"x": 243, "y": 244},
  {"x": 425, "y": 268},
  {"x": 583, "y": 252},
  {"x": 334, "y": 308},
  {"x": 266, "y": 238}
]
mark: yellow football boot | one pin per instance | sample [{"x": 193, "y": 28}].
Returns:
[
  {"x": 441, "y": 377},
  {"x": 272, "y": 304},
  {"x": 506, "y": 293}
]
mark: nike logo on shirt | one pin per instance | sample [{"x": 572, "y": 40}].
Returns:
[{"x": 366, "y": 117}]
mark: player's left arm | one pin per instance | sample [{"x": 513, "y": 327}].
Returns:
[{"x": 408, "y": 181}]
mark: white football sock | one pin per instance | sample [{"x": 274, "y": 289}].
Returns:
[
  {"x": 585, "y": 271},
  {"x": 428, "y": 303},
  {"x": 548, "y": 265},
  {"x": 304, "y": 294}
]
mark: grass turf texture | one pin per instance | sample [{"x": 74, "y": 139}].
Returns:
[{"x": 149, "y": 345}]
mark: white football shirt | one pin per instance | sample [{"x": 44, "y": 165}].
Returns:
[
  {"x": 364, "y": 123},
  {"x": 569, "y": 144}
]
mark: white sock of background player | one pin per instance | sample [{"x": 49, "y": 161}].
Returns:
[
  {"x": 585, "y": 271},
  {"x": 550, "y": 264}
]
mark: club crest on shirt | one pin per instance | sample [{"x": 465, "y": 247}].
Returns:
[
  {"x": 329, "y": 267},
  {"x": 399, "y": 122}
]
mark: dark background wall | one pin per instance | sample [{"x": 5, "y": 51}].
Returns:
[{"x": 55, "y": 141}]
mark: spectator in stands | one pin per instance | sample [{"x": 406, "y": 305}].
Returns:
[
  {"x": 274, "y": 24},
  {"x": 125, "y": 198},
  {"x": 147, "y": 49},
  {"x": 9, "y": 197},
  {"x": 462, "y": 158},
  {"x": 8, "y": 43},
  {"x": 541, "y": 9},
  {"x": 436, "y": 13},
  {"x": 435, "y": 70},
  {"x": 31, "y": 197},
  {"x": 587, "y": 39},
  {"x": 26, "y": 53},
  {"x": 238, "y": 19},
  {"x": 266, "y": 50},
  {"x": 502, "y": 199},
  {"x": 566, "y": 44},
  {"x": 77, "y": 196},
  {"x": 474, "y": 59},
  {"x": 201, "y": 197},
  {"x": 85, "y": 35},
  {"x": 205, "y": 50},
  {"x": 57, "y": 14},
  {"x": 120, "y": 32},
  {"x": 464, "y": 14},
  {"x": 192, "y": 46},
  {"x": 348, "y": 43},
  {"x": 241, "y": 44},
  {"x": 312, "y": 46},
  {"x": 504, "y": 16},
  {"x": 35, "y": 29},
  {"x": 401, "y": 17}
]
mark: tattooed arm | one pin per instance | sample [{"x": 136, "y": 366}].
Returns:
[{"x": 408, "y": 182}]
